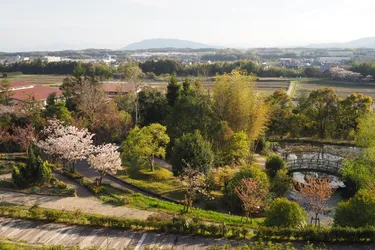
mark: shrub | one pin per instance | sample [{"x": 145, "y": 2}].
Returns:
[
  {"x": 18, "y": 176},
  {"x": 34, "y": 172},
  {"x": 162, "y": 174},
  {"x": 273, "y": 164},
  {"x": 44, "y": 173},
  {"x": 281, "y": 183},
  {"x": 193, "y": 149},
  {"x": 358, "y": 211},
  {"x": 285, "y": 213},
  {"x": 253, "y": 172}
]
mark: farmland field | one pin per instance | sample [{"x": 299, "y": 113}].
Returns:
[
  {"x": 343, "y": 89},
  {"x": 50, "y": 80}
]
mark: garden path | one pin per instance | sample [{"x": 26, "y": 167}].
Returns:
[{"x": 85, "y": 205}]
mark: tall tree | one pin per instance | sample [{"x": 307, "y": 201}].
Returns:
[
  {"x": 236, "y": 102},
  {"x": 134, "y": 76},
  {"x": 153, "y": 106},
  {"x": 173, "y": 90},
  {"x": 322, "y": 110},
  {"x": 146, "y": 144},
  {"x": 5, "y": 92}
]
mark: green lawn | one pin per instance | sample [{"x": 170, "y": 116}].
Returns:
[{"x": 160, "y": 181}]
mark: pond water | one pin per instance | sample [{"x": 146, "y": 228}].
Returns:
[{"x": 323, "y": 152}]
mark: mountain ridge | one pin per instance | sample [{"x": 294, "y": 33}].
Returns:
[
  {"x": 365, "y": 42},
  {"x": 160, "y": 43}
]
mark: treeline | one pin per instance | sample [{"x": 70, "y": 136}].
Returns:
[
  {"x": 63, "y": 68},
  {"x": 206, "y": 69},
  {"x": 367, "y": 68}
]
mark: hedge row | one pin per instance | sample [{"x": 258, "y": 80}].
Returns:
[
  {"x": 176, "y": 225},
  {"x": 182, "y": 225},
  {"x": 334, "y": 234}
]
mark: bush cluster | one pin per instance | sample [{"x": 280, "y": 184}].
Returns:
[
  {"x": 334, "y": 234},
  {"x": 35, "y": 171}
]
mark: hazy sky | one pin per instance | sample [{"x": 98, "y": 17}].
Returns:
[{"x": 73, "y": 24}]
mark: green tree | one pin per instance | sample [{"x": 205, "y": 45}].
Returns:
[
  {"x": 285, "y": 213},
  {"x": 349, "y": 112},
  {"x": 237, "y": 150},
  {"x": 236, "y": 102},
  {"x": 365, "y": 136},
  {"x": 358, "y": 211},
  {"x": 5, "y": 92},
  {"x": 182, "y": 121},
  {"x": 273, "y": 164},
  {"x": 194, "y": 150},
  {"x": 173, "y": 90},
  {"x": 146, "y": 144},
  {"x": 281, "y": 110},
  {"x": 153, "y": 107},
  {"x": 57, "y": 109},
  {"x": 322, "y": 110},
  {"x": 281, "y": 183}
]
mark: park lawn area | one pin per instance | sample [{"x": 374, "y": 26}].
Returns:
[
  {"x": 50, "y": 80},
  {"x": 160, "y": 181},
  {"x": 140, "y": 201},
  {"x": 111, "y": 195},
  {"x": 343, "y": 89}
]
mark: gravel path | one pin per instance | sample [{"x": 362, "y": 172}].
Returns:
[{"x": 86, "y": 205}]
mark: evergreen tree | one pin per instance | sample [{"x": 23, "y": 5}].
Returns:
[{"x": 173, "y": 90}]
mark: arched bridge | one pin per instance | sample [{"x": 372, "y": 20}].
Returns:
[{"x": 314, "y": 165}]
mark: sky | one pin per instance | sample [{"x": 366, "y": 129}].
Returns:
[{"x": 28, "y": 25}]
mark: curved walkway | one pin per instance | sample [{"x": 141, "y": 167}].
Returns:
[{"x": 85, "y": 205}]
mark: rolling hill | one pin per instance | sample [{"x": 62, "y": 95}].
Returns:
[
  {"x": 366, "y": 42},
  {"x": 166, "y": 43}
]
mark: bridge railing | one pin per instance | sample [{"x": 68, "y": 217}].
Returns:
[{"x": 314, "y": 164}]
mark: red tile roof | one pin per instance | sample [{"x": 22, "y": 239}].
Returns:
[{"x": 38, "y": 91}]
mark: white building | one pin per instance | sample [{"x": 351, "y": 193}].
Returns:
[{"x": 49, "y": 59}]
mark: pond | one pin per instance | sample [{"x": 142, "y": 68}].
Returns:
[{"x": 307, "y": 152}]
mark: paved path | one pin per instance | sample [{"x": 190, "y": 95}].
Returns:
[
  {"x": 82, "y": 192},
  {"x": 86, "y": 205},
  {"x": 42, "y": 233},
  {"x": 36, "y": 232}
]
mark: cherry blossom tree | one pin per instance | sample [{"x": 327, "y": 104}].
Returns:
[
  {"x": 194, "y": 183},
  {"x": 251, "y": 194},
  {"x": 105, "y": 160},
  {"x": 5, "y": 136},
  {"x": 314, "y": 195},
  {"x": 68, "y": 143}
]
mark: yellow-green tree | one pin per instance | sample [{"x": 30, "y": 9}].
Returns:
[
  {"x": 146, "y": 144},
  {"x": 236, "y": 102}
]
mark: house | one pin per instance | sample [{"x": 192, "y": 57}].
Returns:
[
  {"x": 113, "y": 89},
  {"x": 23, "y": 91}
]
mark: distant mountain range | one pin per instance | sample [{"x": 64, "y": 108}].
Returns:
[
  {"x": 367, "y": 42},
  {"x": 167, "y": 43}
]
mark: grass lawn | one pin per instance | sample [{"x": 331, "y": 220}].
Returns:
[
  {"x": 343, "y": 89},
  {"x": 160, "y": 181},
  {"x": 140, "y": 201}
]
